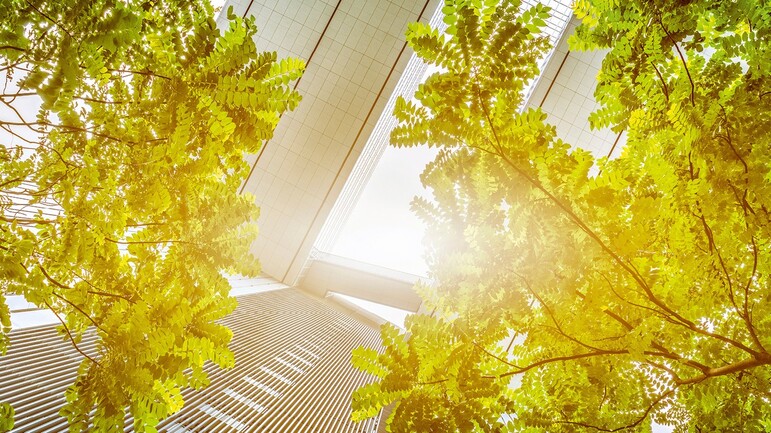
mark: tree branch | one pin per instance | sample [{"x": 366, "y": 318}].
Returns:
[
  {"x": 145, "y": 73},
  {"x": 664, "y": 352},
  {"x": 56, "y": 23},
  {"x": 554, "y": 318},
  {"x": 761, "y": 359},
  {"x": 69, "y": 128},
  {"x": 70, "y": 303},
  {"x": 639, "y": 280},
  {"x": 25, "y": 220},
  {"x": 17, "y": 94},
  {"x": 663, "y": 83},
  {"x": 176, "y": 241},
  {"x": 98, "y": 292},
  {"x": 624, "y": 427},
  {"x": 434, "y": 382},
  {"x": 69, "y": 334},
  {"x": 685, "y": 65},
  {"x": 520, "y": 370},
  {"x": 11, "y": 47}
]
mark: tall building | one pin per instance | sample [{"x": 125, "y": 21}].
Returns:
[
  {"x": 292, "y": 339},
  {"x": 355, "y": 53},
  {"x": 292, "y": 372}
]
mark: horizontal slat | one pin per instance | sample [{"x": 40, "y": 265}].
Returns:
[{"x": 292, "y": 370}]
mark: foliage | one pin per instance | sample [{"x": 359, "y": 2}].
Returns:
[
  {"x": 579, "y": 294},
  {"x": 119, "y": 208}
]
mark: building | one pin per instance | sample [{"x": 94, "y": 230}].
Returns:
[
  {"x": 355, "y": 53},
  {"x": 292, "y": 344},
  {"x": 292, "y": 369}
]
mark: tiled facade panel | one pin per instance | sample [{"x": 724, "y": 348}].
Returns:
[
  {"x": 303, "y": 168},
  {"x": 572, "y": 77}
]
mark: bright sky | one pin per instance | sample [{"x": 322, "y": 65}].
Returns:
[{"x": 382, "y": 229}]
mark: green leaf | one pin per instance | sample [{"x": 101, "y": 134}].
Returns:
[
  {"x": 563, "y": 300},
  {"x": 143, "y": 131}
]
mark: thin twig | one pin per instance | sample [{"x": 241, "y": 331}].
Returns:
[
  {"x": 62, "y": 286},
  {"x": 663, "y": 83},
  {"x": 685, "y": 65},
  {"x": 69, "y": 334},
  {"x": 637, "y": 422},
  {"x": 56, "y": 23},
  {"x": 627, "y": 267}
]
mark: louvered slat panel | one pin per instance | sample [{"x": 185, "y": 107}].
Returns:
[{"x": 292, "y": 371}]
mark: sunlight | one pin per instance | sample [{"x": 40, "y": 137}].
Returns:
[{"x": 382, "y": 229}]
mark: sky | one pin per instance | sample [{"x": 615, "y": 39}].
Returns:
[{"x": 382, "y": 229}]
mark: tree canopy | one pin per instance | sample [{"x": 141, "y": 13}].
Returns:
[
  {"x": 119, "y": 204},
  {"x": 578, "y": 294}
]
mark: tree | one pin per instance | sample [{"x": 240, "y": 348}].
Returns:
[
  {"x": 569, "y": 301},
  {"x": 119, "y": 204}
]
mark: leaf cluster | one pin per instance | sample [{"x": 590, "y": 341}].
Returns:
[
  {"x": 119, "y": 204},
  {"x": 582, "y": 294}
]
